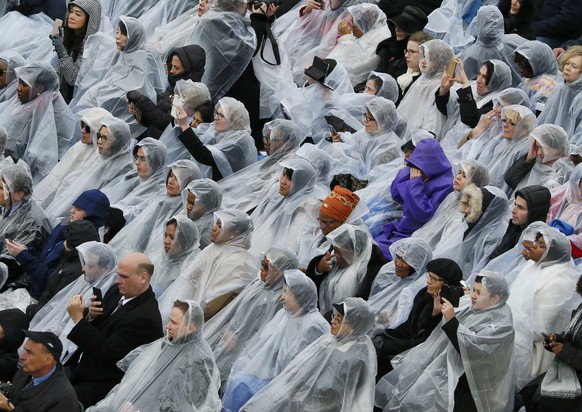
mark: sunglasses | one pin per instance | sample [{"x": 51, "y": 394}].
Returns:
[{"x": 85, "y": 127}]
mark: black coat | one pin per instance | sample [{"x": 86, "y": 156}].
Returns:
[
  {"x": 12, "y": 322},
  {"x": 538, "y": 200},
  {"x": 415, "y": 330},
  {"x": 468, "y": 110},
  {"x": 68, "y": 270},
  {"x": 53, "y": 395},
  {"x": 106, "y": 340},
  {"x": 377, "y": 260}
]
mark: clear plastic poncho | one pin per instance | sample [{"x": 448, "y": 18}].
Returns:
[
  {"x": 145, "y": 231},
  {"x": 193, "y": 92},
  {"x": 489, "y": 44},
  {"x": 225, "y": 60},
  {"x": 500, "y": 153},
  {"x": 358, "y": 55},
  {"x": 544, "y": 68},
  {"x": 448, "y": 214},
  {"x": 164, "y": 12},
  {"x": 472, "y": 250},
  {"x": 473, "y": 148},
  {"x": 208, "y": 200},
  {"x": 229, "y": 331},
  {"x": 353, "y": 102},
  {"x": 499, "y": 81},
  {"x": 12, "y": 60},
  {"x": 135, "y": 9},
  {"x": 24, "y": 222},
  {"x": 314, "y": 34},
  {"x": 233, "y": 149},
  {"x": 312, "y": 242},
  {"x": 168, "y": 374},
  {"x": 362, "y": 151},
  {"x": 564, "y": 108},
  {"x": 509, "y": 264},
  {"x": 334, "y": 373},
  {"x": 278, "y": 219},
  {"x": 418, "y": 106},
  {"x": 183, "y": 250},
  {"x": 428, "y": 374},
  {"x": 321, "y": 161},
  {"x": 99, "y": 264},
  {"x": 355, "y": 245},
  {"x": 27, "y": 35},
  {"x": 549, "y": 171},
  {"x": 292, "y": 329},
  {"x": 79, "y": 155},
  {"x": 42, "y": 129},
  {"x": 132, "y": 193},
  {"x": 309, "y": 104},
  {"x": 566, "y": 204},
  {"x": 392, "y": 296},
  {"x": 543, "y": 296},
  {"x": 224, "y": 267},
  {"x": 245, "y": 189},
  {"x": 176, "y": 32},
  {"x": 108, "y": 74},
  {"x": 114, "y": 161}
]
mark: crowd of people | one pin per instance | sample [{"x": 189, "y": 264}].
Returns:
[{"x": 291, "y": 205}]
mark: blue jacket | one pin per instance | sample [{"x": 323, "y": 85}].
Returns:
[{"x": 419, "y": 197}]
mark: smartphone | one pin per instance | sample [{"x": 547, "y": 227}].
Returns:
[
  {"x": 99, "y": 295},
  {"x": 320, "y": 2},
  {"x": 57, "y": 27},
  {"x": 332, "y": 130},
  {"x": 177, "y": 102},
  {"x": 451, "y": 68},
  {"x": 452, "y": 294},
  {"x": 547, "y": 337}
]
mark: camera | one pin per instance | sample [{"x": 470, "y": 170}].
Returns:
[
  {"x": 259, "y": 3},
  {"x": 6, "y": 389}
]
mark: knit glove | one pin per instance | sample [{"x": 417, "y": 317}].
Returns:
[{"x": 59, "y": 46}]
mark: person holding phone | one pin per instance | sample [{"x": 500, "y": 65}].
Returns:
[
  {"x": 425, "y": 315},
  {"x": 468, "y": 358},
  {"x": 82, "y": 20}
]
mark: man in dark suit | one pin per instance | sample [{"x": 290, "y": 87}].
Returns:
[{"x": 127, "y": 317}]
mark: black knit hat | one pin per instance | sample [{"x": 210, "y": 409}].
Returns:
[{"x": 446, "y": 269}]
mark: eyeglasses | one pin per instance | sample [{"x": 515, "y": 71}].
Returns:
[
  {"x": 218, "y": 115},
  {"x": 411, "y": 52},
  {"x": 433, "y": 279},
  {"x": 84, "y": 126},
  {"x": 509, "y": 122},
  {"x": 264, "y": 266},
  {"x": 101, "y": 137},
  {"x": 326, "y": 223},
  {"x": 141, "y": 159},
  {"x": 368, "y": 118}
]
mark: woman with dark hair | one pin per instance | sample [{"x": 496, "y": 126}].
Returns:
[
  {"x": 392, "y": 50},
  {"x": 83, "y": 19},
  {"x": 518, "y": 17},
  {"x": 183, "y": 63}
]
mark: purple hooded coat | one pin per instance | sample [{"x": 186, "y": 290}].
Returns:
[{"x": 419, "y": 197}]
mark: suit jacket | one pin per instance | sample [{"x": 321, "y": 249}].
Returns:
[{"x": 107, "y": 339}]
